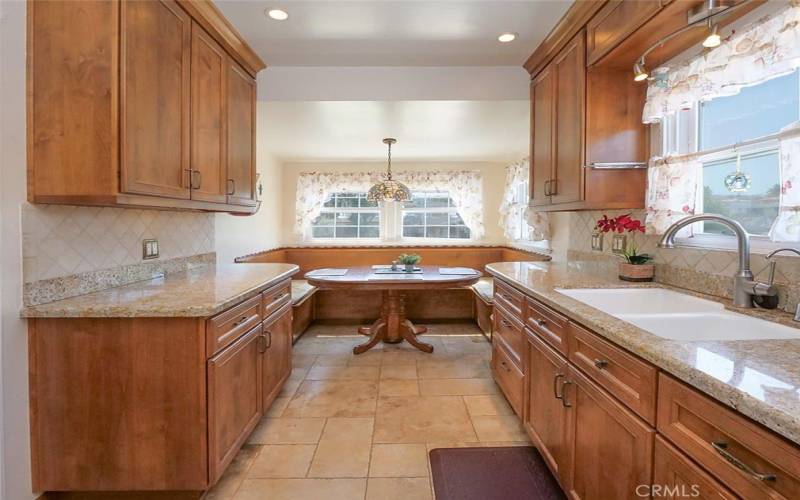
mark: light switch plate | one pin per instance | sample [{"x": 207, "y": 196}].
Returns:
[
  {"x": 149, "y": 249},
  {"x": 618, "y": 243},
  {"x": 597, "y": 241}
]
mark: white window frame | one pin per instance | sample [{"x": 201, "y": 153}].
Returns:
[
  {"x": 421, "y": 239},
  {"x": 680, "y": 134},
  {"x": 357, "y": 210}
]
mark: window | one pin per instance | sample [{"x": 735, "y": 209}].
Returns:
[
  {"x": 521, "y": 196},
  {"x": 431, "y": 214},
  {"x": 739, "y": 182},
  {"x": 348, "y": 215}
]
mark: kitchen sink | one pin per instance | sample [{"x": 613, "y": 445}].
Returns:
[{"x": 678, "y": 316}]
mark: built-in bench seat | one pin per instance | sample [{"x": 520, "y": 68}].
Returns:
[{"x": 471, "y": 303}]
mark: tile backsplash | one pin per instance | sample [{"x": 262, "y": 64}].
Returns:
[
  {"x": 60, "y": 240},
  {"x": 709, "y": 271}
]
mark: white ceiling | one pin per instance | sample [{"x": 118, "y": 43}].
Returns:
[
  {"x": 425, "y": 130},
  {"x": 394, "y": 33}
]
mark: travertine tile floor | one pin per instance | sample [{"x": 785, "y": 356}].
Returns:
[{"x": 360, "y": 427}]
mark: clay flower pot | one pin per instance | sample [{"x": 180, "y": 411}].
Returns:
[{"x": 636, "y": 272}]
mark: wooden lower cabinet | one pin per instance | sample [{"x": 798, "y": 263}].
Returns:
[
  {"x": 277, "y": 359},
  {"x": 234, "y": 399},
  {"x": 611, "y": 448},
  {"x": 675, "y": 476},
  {"x": 545, "y": 415}
]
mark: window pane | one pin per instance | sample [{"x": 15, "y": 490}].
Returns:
[
  {"x": 365, "y": 203},
  {"x": 331, "y": 201},
  {"x": 346, "y": 202},
  {"x": 754, "y": 112},
  {"x": 436, "y": 232},
  {"x": 413, "y": 219},
  {"x": 322, "y": 232},
  {"x": 346, "y": 219},
  {"x": 459, "y": 232},
  {"x": 369, "y": 232},
  {"x": 437, "y": 200},
  {"x": 413, "y": 232},
  {"x": 324, "y": 219},
  {"x": 346, "y": 232},
  {"x": 755, "y": 207},
  {"x": 417, "y": 200},
  {"x": 436, "y": 218},
  {"x": 456, "y": 220},
  {"x": 369, "y": 219}
]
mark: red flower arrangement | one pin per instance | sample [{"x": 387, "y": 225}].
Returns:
[{"x": 622, "y": 224}]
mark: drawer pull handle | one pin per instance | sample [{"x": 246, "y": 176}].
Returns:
[
  {"x": 505, "y": 323},
  {"x": 541, "y": 322},
  {"x": 600, "y": 363},
  {"x": 262, "y": 346},
  {"x": 240, "y": 321},
  {"x": 555, "y": 386},
  {"x": 268, "y": 336},
  {"x": 721, "y": 447},
  {"x": 564, "y": 394}
]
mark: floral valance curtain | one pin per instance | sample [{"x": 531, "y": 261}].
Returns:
[
  {"x": 464, "y": 187},
  {"x": 764, "y": 49},
  {"x": 671, "y": 193}
]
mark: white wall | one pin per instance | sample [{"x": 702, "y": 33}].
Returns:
[
  {"x": 237, "y": 235},
  {"x": 15, "y": 472},
  {"x": 493, "y": 182}
]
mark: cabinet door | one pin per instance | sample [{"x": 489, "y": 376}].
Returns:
[
  {"x": 278, "y": 356},
  {"x": 570, "y": 104},
  {"x": 154, "y": 107},
  {"x": 234, "y": 399},
  {"x": 542, "y": 122},
  {"x": 675, "y": 476},
  {"x": 209, "y": 66},
  {"x": 612, "y": 450},
  {"x": 545, "y": 415},
  {"x": 617, "y": 20},
  {"x": 241, "y": 136}
]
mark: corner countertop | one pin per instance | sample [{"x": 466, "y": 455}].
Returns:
[
  {"x": 200, "y": 292},
  {"x": 758, "y": 378}
]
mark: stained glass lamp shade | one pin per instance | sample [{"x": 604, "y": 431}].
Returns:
[{"x": 389, "y": 189}]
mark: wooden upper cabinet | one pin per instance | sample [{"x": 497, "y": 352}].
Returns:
[
  {"x": 241, "y": 137},
  {"x": 542, "y": 136},
  {"x": 154, "y": 114},
  {"x": 617, "y": 20},
  {"x": 129, "y": 99},
  {"x": 570, "y": 109},
  {"x": 208, "y": 159},
  {"x": 612, "y": 450}
]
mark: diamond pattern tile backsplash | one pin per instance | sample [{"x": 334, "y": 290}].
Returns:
[
  {"x": 60, "y": 240},
  {"x": 682, "y": 266}
]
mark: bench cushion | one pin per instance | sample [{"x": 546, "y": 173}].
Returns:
[
  {"x": 301, "y": 290},
  {"x": 484, "y": 288}
]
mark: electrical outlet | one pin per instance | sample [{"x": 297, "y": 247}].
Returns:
[
  {"x": 618, "y": 243},
  {"x": 597, "y": 241},
  {"x": 149, "y": 249}
]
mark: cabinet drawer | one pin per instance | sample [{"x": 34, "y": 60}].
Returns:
[
  {"x": 229, "y": 325},
  {"x": 548, "y": 324},
  {"x": 508, "y": 330},
  {"x": 751, "y": 461},
  {"x": 509, "y": 298},
  {"x": 674, "y": 472},
  {"x": 617, "y": 20},
  {"x": 275, "y": 297},
  {"x": 508, "y": 376},
  {"x": 625, "y": 376}
]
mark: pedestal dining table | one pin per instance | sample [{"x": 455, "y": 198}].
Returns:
[{"x": 392, "y": 325}]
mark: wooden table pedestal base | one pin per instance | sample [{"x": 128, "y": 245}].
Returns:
[{"x": 392, "y": 327}]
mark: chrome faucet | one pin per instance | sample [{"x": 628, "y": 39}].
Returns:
[
  {"x": 773, "y": 263},
  {"x": 744, "y": 286}
]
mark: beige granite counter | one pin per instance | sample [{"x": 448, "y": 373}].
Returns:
[
  {"x": 759, "y": 378},
  {"x": 195, "y": 293}
]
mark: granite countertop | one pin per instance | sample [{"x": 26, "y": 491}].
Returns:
[
  {"x": 759, "y": 378},
  {"x": 200, "y": 292}
]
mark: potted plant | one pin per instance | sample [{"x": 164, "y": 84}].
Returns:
[
  {"x": 409, "y": 260},
  {"x": 636, "y": 266}
]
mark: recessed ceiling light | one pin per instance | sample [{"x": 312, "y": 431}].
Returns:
[
  {"x": 278, "y": 14},
  {"x": 507, "y": 37}
]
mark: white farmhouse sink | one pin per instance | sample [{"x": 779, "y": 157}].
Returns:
[{"x": 677, "y": 316}]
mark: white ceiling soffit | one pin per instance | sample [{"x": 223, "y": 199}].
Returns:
[
  {"x": 394, "y": 33},
  {"x": 425, "y": 130},
  {"x": 393, "y": 83}
]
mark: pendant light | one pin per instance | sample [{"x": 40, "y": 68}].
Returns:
[{"x": 389, "y": 189}]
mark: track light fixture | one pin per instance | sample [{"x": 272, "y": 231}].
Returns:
[
  {"x": 640, "y": 71},
  {"x": 713, "y": 39}
]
